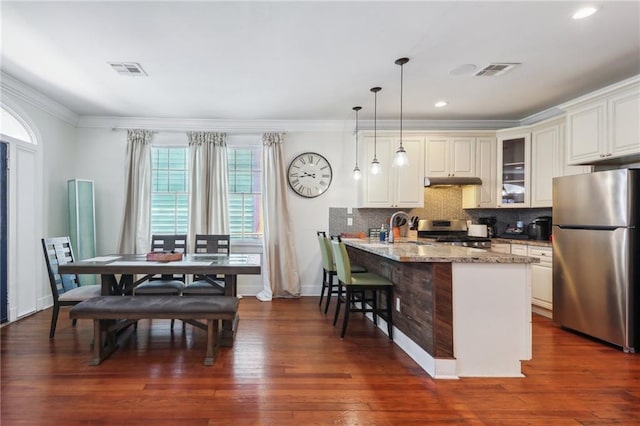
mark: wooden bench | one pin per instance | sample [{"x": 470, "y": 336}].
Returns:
[{"x": 113, "y": 313}]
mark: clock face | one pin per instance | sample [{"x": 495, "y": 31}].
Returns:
[{"x": 309, "y": 174}]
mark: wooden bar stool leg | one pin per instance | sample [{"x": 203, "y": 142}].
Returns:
[
  {"x": 374, "y": 302},
  {"x": 330, "y": 285},
  {"x": 390, "y": 312},
  {"x": 339, "y": 301},
  {"x": 324, "y": 286},
  {"x": 345, "y": 321}
]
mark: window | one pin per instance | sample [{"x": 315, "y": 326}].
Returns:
[
  {"x": 169, "y": 190},
  {"x": 10, "y": 126},
  {"x": 245, "y": 198}
]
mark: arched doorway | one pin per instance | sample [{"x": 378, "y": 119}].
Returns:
[{"x": 21, "y": 216}]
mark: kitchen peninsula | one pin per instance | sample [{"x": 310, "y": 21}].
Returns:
[{"x": 458, "y": 311}]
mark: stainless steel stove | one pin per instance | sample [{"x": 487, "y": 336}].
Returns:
[{"x": 450, "y": 231}]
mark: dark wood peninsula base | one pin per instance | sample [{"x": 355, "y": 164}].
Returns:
[
  {"x": 425, "y": 292},
  {"x": 463, "y": 312}
]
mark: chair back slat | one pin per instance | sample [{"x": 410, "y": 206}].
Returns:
[
  {"x": 325, "y": 251},
  {"x": 58, "y": 251},
  {"x": 341, "y": 257},
  {"x": 212, "y": 243},
  {"x": 169, "y": 243}
]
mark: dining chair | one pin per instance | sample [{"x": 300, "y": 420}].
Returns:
[
  {"x": 165, "y": 284},
  {"x": 355, "y": 287},
  {"x": 208, "y": 284},
  {"x": 65, "y": 289},
  {"x": 329, "y": 270}
]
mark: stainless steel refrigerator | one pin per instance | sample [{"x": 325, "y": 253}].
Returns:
[{"x": 596, "y": 255}]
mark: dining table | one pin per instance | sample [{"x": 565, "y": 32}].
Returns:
[{"x": 121, "y": 273}]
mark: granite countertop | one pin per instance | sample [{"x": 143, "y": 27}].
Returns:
[
  {"x": 408, "y": 251},
  {"x": 539, "y": 243}
]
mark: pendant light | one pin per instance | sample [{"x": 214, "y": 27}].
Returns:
[
  {"x": 356, "y": 170},
  {"x": 401, "y": 159},
  {"x": 375, "y": 164}
]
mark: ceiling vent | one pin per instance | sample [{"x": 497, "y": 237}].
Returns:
[
  {"x": 128, "y": 68},
  {"x": 496, "y": 69}
]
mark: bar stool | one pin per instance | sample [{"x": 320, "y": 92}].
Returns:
[
  {"x": 356, "y": 285},
  {"x": 329, "y": 270}
]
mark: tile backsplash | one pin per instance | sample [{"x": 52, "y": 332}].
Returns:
[{"x": 440, "y": 203}]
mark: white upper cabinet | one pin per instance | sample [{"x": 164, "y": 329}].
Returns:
[
  {"x": 605, "y": 126},
  {"x": 546, "y": 162},
  {"x": 394, "y": 186},
  {"x": 450, "y": 156},
  {"x": 514, "y": 162},
  {"x": 483, "y": 196},
  {"x": 530, "y": 184},
  {"x": 624, "y": 123}
]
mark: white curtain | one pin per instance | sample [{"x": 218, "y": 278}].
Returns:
[
  {"x": 134, "y": 236},
  {"x": 280, "y": 276},
  {"x": 209, "y": 184}
]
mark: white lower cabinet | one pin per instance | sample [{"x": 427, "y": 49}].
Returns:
[
  {"x": 542, "y": 278},
  {"x": 501, "y": 247},
  {"x": 519, "y": 249}
]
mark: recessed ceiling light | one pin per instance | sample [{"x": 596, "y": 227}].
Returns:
[
  {"x": 441, "y": 104},
  {"x": 584, "y": 12}
]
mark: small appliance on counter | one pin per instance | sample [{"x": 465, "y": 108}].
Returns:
[
  {"x": 490, "y": 221},
  {"x": 540, "y": 228}
]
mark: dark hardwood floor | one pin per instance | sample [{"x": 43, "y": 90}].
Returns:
[{"x": 289, "y": 367}]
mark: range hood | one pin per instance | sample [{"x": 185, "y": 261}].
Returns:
[{"x": 451, "y": 180}]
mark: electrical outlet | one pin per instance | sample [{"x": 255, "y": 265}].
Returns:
[
  {"x": 398, "y": 304},
  {"x": 349, "y": 221}
]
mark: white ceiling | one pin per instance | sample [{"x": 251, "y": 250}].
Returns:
[{"x": 316, "y": 60}]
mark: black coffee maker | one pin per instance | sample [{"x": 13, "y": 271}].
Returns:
[
  {"x": 540, "y": 228},
  {"x": 490, "y": 221}
]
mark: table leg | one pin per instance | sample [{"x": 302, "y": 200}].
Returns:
[
  {"x": 111, "y": 286},
  {"x": 229, "y": 328},
  {"x": 212, "y": 342},
  {"x": 104, "y": 341}
]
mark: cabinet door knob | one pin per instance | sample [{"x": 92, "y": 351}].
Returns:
[
  {"x": 609, "y": 155},
  {"x": 602, "y": 155}
]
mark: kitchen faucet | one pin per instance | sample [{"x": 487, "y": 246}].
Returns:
[{"x": 393, "y": 216}]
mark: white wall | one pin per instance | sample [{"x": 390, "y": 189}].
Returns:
[
  {"x": 56, "y": 138},
  {"x": 100, "y": 157},
  {"x": 309, "y": 215}
]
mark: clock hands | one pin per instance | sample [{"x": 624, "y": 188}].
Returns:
[{"x": 312, "y": 175}]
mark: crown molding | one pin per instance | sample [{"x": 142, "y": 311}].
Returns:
[
  {"x": 258, "y": 126},
  {"x": 541, "y": 116},
  {"x": 14, "y": 87},
  {"x": 621, "y": 85},
  {"x": 439, "y": 124},
  {"x": 229, "y": 126}
]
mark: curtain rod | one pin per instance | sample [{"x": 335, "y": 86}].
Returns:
[{"x": 174, "y": 130}]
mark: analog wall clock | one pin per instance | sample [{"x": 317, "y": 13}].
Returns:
[{"x": 309, "y": 174}]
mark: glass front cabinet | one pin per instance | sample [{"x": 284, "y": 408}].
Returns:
[{"x": 513, "y": 170}]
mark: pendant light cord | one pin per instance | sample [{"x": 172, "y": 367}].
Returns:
[
  {"x": 401, "y": 91},
  {"x": 375, "y": 123},
  {"x": 357, "y": 109}
]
